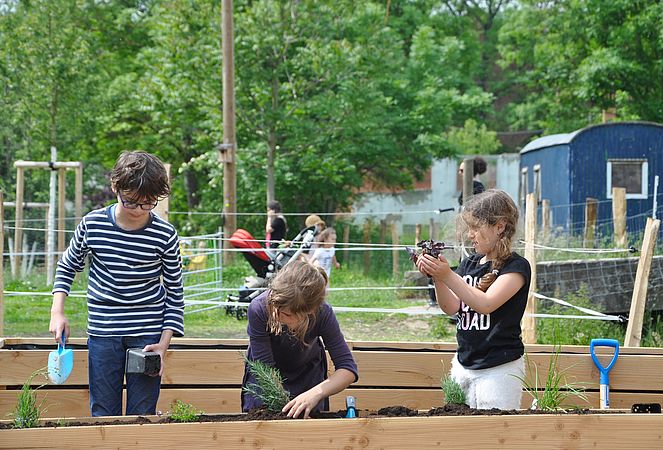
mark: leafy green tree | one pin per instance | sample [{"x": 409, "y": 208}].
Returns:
[{"x": 577, "y": 57}]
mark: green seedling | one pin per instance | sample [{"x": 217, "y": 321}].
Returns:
[
  {"x": 553, "y": 395},
  {"x": 453, "y": 393},
  {"x": 268, "y": 386},
  {"x": 184, "y": 412},
  {"x": 27, "y": 412}
]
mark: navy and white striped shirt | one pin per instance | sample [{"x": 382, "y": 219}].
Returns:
[{"x": 135, "y": 280}]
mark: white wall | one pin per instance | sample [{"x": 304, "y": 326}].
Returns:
[{"x": 418, "y": 206}]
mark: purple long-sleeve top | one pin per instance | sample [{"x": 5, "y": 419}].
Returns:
[{"x": 302, "y": 366}]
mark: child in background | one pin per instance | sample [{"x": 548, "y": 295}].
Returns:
[
  {"x": 489, "y": 292},
  {"x": 276, "y": 226},
  {"x": 134, "y": 295},
  {"x": 325, "y": 253},
  {"x": 290, "y": 326}
]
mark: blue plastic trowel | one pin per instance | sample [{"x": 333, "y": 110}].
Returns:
[
  {"x": 60, "y": 362},
  {"x": 351, "y": 407}
]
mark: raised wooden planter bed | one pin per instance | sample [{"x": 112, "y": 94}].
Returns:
[
  {"x": 208, "y": 374},
  {"x": 618, "y": 431}
]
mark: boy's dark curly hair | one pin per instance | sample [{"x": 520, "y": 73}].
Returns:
[{"x": 141, "y": 174}]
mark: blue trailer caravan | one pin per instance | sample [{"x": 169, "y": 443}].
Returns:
[{"x": 568, "y": 168}]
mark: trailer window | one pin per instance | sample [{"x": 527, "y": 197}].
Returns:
[{"x": 631, "y": 174}]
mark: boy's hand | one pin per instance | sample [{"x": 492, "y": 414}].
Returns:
[
  {"x": 160, "y": 348},
  {"x": 59, "y": 324}
]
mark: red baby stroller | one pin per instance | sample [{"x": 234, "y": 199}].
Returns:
[{"x": 266, "y": 262}]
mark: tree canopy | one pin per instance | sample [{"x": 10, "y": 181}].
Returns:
[{"x": 330, "y": 94}]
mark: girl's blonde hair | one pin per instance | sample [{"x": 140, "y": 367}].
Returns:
[
  {"x": 489, "y": 208},
  {"x": 300, "y": 288},
  {"x": 326, "y": 234}
]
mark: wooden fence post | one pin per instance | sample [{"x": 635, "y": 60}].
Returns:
[
  {"x": 619, "y": 215},
  {"x": 394, "y": 252},
  {"x": 367, "y": 240},
  {"x": 346, "y": 243},
  {"x": 163, "y": 206},
  {"x": 529, "y": 321},
  {"x": 545, "y": 219},
  {"x": 468, "y": 179},
  {"x": 18, "y": 220},
  {"x": 417, "y": 233},
  {"x": 62, "y": 182},
  {"x": 637, "y": 312},
  {"x": 2, "y": 267},
  {"x": 383, "y": 231},
  {"x": 591, "y": 207}
]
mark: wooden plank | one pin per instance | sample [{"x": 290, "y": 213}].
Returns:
[
  {"x": 641, "y": 431},
  {"x": 376, "y": 368},
  {"x": 75, "y": 402},
  {"x": 355, "y": 345}
]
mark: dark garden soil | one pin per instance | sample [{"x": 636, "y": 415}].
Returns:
[{"x": 263, "y": 414}]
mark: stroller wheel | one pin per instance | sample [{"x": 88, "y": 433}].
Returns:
[{"x": 240, "y": 313}]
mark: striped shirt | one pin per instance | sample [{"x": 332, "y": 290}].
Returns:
[{"x": 135, "y": 279}]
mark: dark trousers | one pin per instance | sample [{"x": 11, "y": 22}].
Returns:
[{"x": 106, "y": 367}]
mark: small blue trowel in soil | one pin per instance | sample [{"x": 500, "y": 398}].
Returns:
[
  {"x": 60, "y": 362},
  {"x": 604, "y": 371}
]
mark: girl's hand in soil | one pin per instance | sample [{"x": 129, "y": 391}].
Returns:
[
  {"x": 161, "y": 347},
  {"x": 303, "y": 403}
]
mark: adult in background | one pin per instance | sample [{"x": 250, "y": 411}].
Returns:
[
  {"x": 276, "y": 225},
  {"x": 480, "y": 167}
]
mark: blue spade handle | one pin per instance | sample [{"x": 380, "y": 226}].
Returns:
[
  {"x": 61, "y": 343},
  {"x": 604, "y": 343}
]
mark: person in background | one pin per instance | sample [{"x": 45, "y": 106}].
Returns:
[
  {"x": 325, "y": 253},
  {"x": 135, "y": 293},
  {"x": 480, "y": 168},
  {"x": 290, "y": 327},
  {"x": 276, "y": 226},
  {"x": 488, "y": 292}
]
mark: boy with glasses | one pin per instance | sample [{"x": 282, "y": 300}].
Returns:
[{"x": 135, "y": 290}]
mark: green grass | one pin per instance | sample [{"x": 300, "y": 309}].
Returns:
[{"x": 29, "y": 315}]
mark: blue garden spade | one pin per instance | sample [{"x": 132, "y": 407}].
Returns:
[
  {"x": 60, "y": 362},
  {"x": 604, "y": 371}
]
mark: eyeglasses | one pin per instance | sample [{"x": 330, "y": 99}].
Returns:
[{"x": 133, "y": 205}]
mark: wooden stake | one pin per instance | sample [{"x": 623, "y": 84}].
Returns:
[
  {"x": 529, "y": 322},
  {"x": 367, "y": 253},
  {"x": 545, "y": 219},
  {"x": 162, "y": 207},
  {"x": 229, "y": 138},
  {"x": 18, "y": 220},
  {"x": 62, "y": 178},
  {"x": 591, "y": 208},
  {"x": 417, "y": 233},
  {"x": 468, "y": 179},
  {"x": 395, "y": 252},
  {"x": 637, "y": 312},
  {"x": 78, "y": 195},
  {"x": 383, "y": 231},
  {"x": 2, "y": 267},
  {"x": 346, "y": 241},
  {"x": 619, "y": 215}
]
